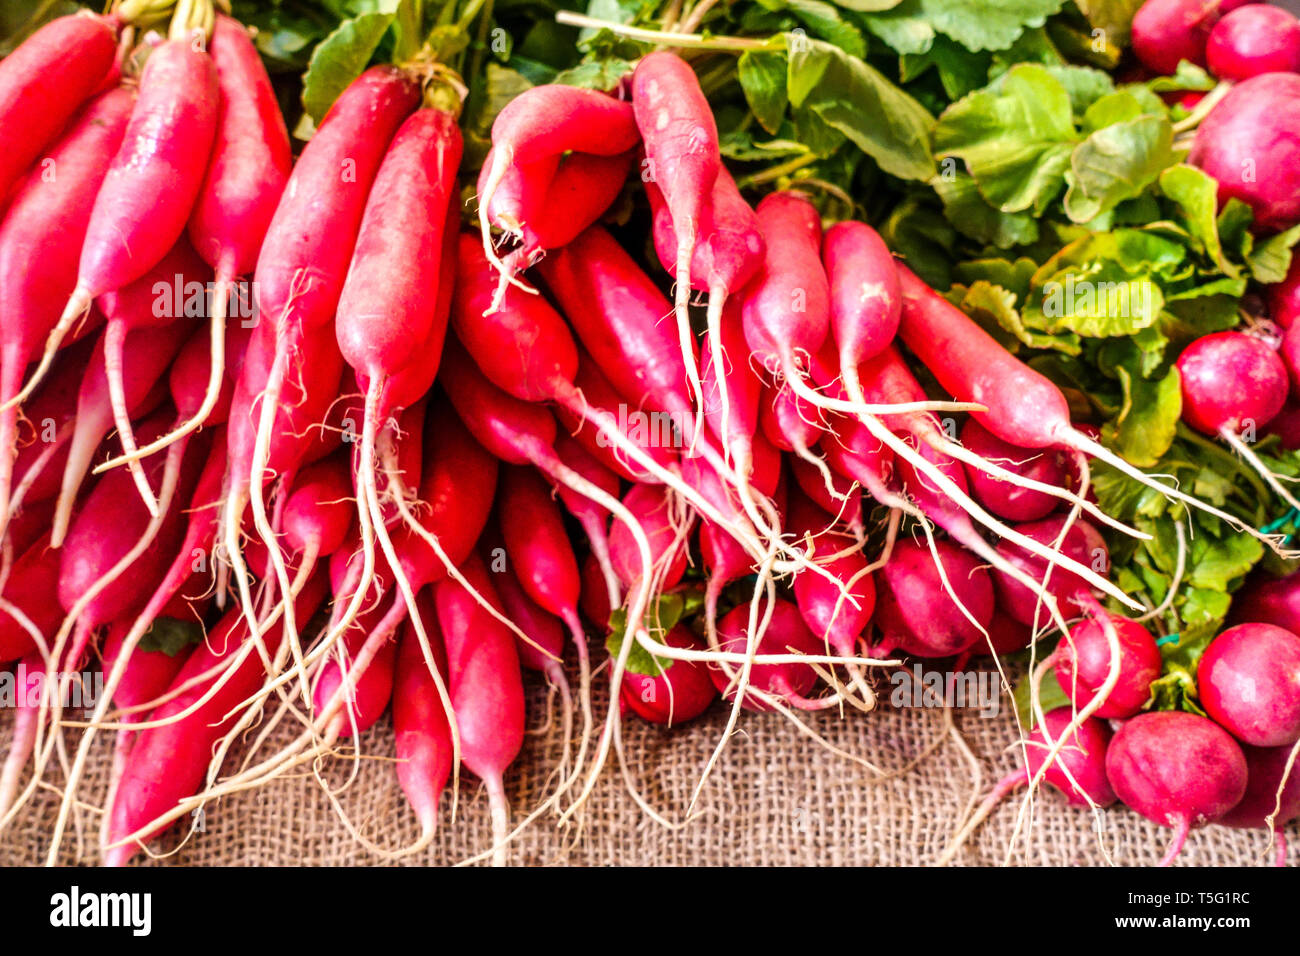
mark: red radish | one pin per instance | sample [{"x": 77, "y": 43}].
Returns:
[
  {"x": 1013, "y": 502},
  {"x": 1024, "y": 407},
  {"x": 1083, "y": 662},
  {"x": 1234, "y": 384},
  {"x": 550, "y": 213},
  {"x": 1268, "y": 600},
  {"x": 32, "y": 588},
  {"x": 45, "y": 80},
  {"x": 366, "y": 679},
  {"x": 1081, "y": 544},
  {"x": 152, "y": 182},
  {"x": 787, "y": 306},
  {"x": 731, "y": 390},
  {"x": 865, "y": 299},
  {"x": 1167, "y": 31},
  {"x": 828, "y": 610},
  {"x": 1284, "y": 297},
  {"x": 49, "y": 213},
  {"x": 250, "y": 164},
  {"x": 422, "y": 731},
  {"x": 1250, "y": 143},
  {"x": 728, "y": 252},
  {"x": 170, "y": 760},
  {"x": 182, "y": 278},
  {"x": 1254, "y": 39},
  {"x": 1176, "y": 769},
  {"x": 1078, "y": 770},
  {"x": 681, "y": 145},
  {"x": 1266, "y": 794},
  {"x": 1248, "y": 680},
  {"x": 544, "y": 122},
  {"x": 668, "y": 542},
  {"x": 486, "y": 689},
  {"x": 788, "y": 683},
  {"x": 592, "y": 515},
  {"x": 680, "y": 693},
  {"x": 595, "y": 603},
  {"x": 935, "y": 603},
  {"x": 383, "y": 319},
  {"x": 152, "y": 351},
  {"x": 842, "y": 500},
  {"x": 30, "y": 702}
]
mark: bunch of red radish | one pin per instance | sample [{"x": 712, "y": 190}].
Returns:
[{"x": 377, "y": 499}]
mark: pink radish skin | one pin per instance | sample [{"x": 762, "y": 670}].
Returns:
[
  {"x": 1003, "y": 498},
  {"x": 49, "y": 214},
  {"x": 1249, "y": 683},
  {"x": 668, "y": 553},
  {"x": 1167, "y": 31},
  {"x": 1176, "y": 769},
  {"x": 865, "y": 298},
  {"x": 743, "y": 388},
  {"x": 582, "y": 189},
  {"x": 1265, "y": 768},
  {"x": 592, "y": 516},
  {"x": 169, "y": 763},
  {"x": 594, "y": 603},
  {"x": 1231, "y": 380},
  {"x": 787, "y": 306},
  {"x": 729, "y": 250},
  {"x": 1083, "y": 662},
  {"x": 789, "y": 422},
  {"x": 786, "y": 634},
  {"x": 368, "y": 692},
  {"x": 28, "y": 694},
  {"x": 1084, "y": 755},
  {"x": 486, "y": 688},
  {"x": 848, "y": 508},
  {"x": 1250, "y": 144},
  {"x": 1284, "y": 297},
  {"x": 1254, "y": 39},
  {"x": 1006, "y": 634},
  {"x": 1268, "y": 600},
  {"x": 538, "y": 545},
  {"x": 827, "y": 613},
  {"x": 152, "y": 351},
  {"x": 1079, "y": 544},
  {"x": 108, "y": 525},
  {"x": 250, "y": 160},
  {"x": 916, "y": 613},
  {"x": 315, "y": 225},
  {"x": 32, "y": 587},
  {"x": 153, "y": 181},
  {"x": 682, "y": 692},
  {"x": 79, "y": 50},
  {"x": 422, "y": 732},
  {"x": 544, "y": 629},
  {"x": 50, "y": 414}
]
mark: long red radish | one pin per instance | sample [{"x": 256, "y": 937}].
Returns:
[
  {"x": 151, "y": 184},
  {"x": 421, "y": 728},
  {"x": 1023, "y": 407},
  {"x": 249, "y": 167},
  {"x": 30, "y": 699},
  {"x": 593, "y": 516},
  {"x": 49, "y": 214},
  {"x": 31, "y": 589},
  {"x": 45, "y": 81},
  {"x": 184, "y": 746},
  {"x": 486, "y": 687},
  {"x": 545, "y": 122},
  {"x": 681, "y": 145}
]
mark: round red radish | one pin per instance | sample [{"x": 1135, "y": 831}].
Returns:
[
  {"x": 1250, "y": 143},
  {"x": 1176, "y": 769},
  {"x": 786, "y": 634},
  {"x": 1249, "y": 682},
  {"x": 1167, "y": 31},
  {"x": 1006, "y": 634},
  {"x": 1265, "y": 768},
  {"x": 1084, "y": 755},
  {"x": 1084, "y": 661},
  {"x": 1231, "y": 381},
  {"x": 1284, "y": 297},
  {"x": 1257, "y": 38},
  {"x": 916, "y": 613},
  {"x": 1002, "y": 498},
  {"x": 1081, "y": 543},
  {"x": 680, "y": 693},
  {"x": 1270, "y": 600}
]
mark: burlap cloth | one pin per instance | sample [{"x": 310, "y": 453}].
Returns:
[{"x": 775, "y": 798}]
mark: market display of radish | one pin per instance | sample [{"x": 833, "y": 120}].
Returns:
[{"x": 598, "y": 387}]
